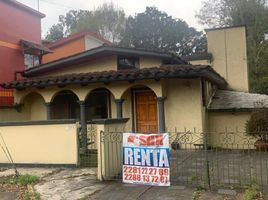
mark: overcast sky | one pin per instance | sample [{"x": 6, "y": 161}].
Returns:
[{"x": 184, "y": 9}]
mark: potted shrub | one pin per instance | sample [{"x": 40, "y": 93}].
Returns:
[{"x": 257, "y": 126}]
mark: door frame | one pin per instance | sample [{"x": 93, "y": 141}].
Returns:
[{"x": 133, "y": 106}]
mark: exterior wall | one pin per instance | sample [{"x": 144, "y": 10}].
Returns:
[
  {"x": 106, "y": 63},
  {"x": 91, "y": 43},
  {"x": 102, "y": 64},
  {"x": 228, "y": 47},
  {"x": 183, "y": 106},
  {"x": 41, "y": 144},
  {"x": 65, "y": 50},
  {"x": 11, "y": 114},
  {"x": 200, "y": 62},
  {"x": 18, "y": 24},
  {"x": 227, "y": 130}
]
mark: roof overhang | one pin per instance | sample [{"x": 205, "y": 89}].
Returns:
[
  {"x": 186, "y": 71},
  {"x": 97, "y": 53},
  {"x": 33, "y": 48}
]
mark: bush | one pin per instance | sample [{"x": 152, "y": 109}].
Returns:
[
  {"x": 258, "y": 123},
  {"x": 252, "y": 192}
]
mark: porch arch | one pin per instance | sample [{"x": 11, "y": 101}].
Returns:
[
  {"x": 98, "y": 103},
  {"x": 155, "y": 87},
  {"x": 64, "y": 105},
  {"x": 34, "y": 106}
]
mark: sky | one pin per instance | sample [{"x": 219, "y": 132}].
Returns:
[{"x": 183, "y": 9}]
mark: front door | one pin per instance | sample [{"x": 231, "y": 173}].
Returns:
[{"x": 146, "y": 112}]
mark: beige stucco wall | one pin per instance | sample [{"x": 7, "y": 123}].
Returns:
[
  {"x": 228, "y": 47},
  {"x": 41, "y": 144},
  {"x": 227, "y": 130},
  {"x": 183, "y": 105},
  {"x": 200, "y": 62},
  {"x": 11, "y": 114},
  {"x": 101, "y": 64}
]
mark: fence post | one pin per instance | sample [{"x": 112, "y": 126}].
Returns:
[{"x": 207, "y": 160}]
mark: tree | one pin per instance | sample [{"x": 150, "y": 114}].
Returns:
[
  {"x": 253, "y": 14},
  {"x": 55, "y": 32},
  {"x": 107, "y": 20},
  {"x": 157, "y": 30}
]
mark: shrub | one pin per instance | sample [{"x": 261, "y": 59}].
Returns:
[{"x": 257, "y": 125}]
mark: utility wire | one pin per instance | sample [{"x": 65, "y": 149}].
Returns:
[{"x": 60, "y": 5}]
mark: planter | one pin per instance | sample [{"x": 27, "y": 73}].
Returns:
[{"x": 261, "y": 145}]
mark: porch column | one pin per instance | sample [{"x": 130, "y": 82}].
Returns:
[
  {"x": 119, "y": 108},
  {"x": 48, "y": 108},
  {"x": 83, "y": 123},
  {"x": 161, "y": 114}
]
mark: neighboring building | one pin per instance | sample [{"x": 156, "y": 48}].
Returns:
[
  {"x": 74, "y": 44},
  {"x": 20, "y": 43}
]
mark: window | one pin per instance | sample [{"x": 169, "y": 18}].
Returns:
[
  {"x": 128, "y": 62},
  {"x": 31, "y": 60}
]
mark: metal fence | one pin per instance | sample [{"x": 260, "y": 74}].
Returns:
[
  {"x": 218, "y": 159},
  {"x": 211, "y": 160}
]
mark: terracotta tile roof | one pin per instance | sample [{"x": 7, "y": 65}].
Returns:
[
  {"x": 183, "y": 71},
  {"x": 233, "y": 100}
]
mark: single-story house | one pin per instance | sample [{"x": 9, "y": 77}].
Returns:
[{"x": 149, "y": 91}]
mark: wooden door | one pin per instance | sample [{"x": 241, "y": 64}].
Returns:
[{"x": 146, "y": 112}]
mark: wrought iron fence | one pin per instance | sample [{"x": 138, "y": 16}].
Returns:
[
  {"x": 218, "y": 159},
  {"x": 211, "y": 159}
]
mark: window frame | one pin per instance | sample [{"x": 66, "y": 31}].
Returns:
[{"x": 137, "y": 62}]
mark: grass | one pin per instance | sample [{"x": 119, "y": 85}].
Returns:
[
  {"x": 253, "y": 192},
  {"x": 20, "y": 180},
  {"x": 31, "y": 195}
]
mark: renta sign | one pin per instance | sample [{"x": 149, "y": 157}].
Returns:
[{"x": 146, "y": 159}]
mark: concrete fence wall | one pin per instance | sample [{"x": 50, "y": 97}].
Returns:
[{"x": 40, "y": 143}]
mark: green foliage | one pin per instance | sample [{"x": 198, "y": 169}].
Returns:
[
  {"x": 253, "y": 14},
  {"x": 55, "y": 32},
  {"x": 31, "y": 196},
  {"x": 26, "y": 179},
  {"x": 252, "y": 191},
  {"x": 258, "y": 122},
  {"x": 156, "y": 30},
  {"x": 107, "y": 20},
  {"x": 20, "y": 180}
]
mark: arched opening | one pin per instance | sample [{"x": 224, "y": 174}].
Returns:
[
  {"x": 65, "y": 106},
  {"x": 141, "y": 106},
  {"x": 33, "y": 107},
  {"x": 98, "y": 104}
]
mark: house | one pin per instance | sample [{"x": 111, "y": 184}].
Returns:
[
  {"x": 74, "y": 44},
  {"x": 20, "y": 43},
  {"x": 150, "y": 91}
]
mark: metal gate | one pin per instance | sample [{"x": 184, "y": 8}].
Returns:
[{"x": 88, "y": 147}]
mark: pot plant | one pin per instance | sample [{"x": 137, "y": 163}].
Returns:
[{"x": 257, "y": 126}]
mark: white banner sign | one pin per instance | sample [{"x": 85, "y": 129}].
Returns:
[{"x": 146, "y": 159}]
